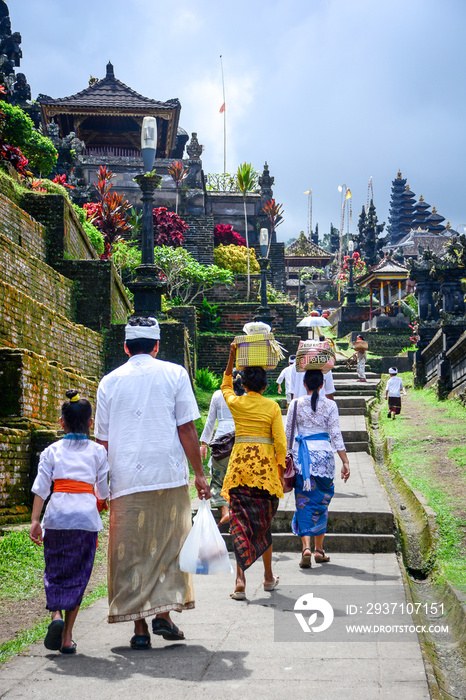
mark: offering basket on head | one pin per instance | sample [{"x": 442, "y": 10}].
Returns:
[
  {"x": 315, "y": 354},
  {"x": 259, "y": 348}
]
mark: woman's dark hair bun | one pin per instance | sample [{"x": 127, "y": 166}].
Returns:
[{"x": 71, "y": 393}]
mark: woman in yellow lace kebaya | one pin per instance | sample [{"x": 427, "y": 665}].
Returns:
[{"x": 254, "y": 479}]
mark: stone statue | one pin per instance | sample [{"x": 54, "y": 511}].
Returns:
[
  {"x": 21, "y": 90},
  {"x": 194, "y": 149}
]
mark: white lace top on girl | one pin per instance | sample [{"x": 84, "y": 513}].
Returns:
[{"x": 325, "y": 419}]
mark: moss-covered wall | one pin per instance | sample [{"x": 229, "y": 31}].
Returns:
[
  {"x": 29, "y": 275},
  {"x": 26, "y": 323},
  {"x": 34, "y": 389},
  {"x": 65, "y": 237},
  {"x": 22, "y": 229},
  {"x": 15, "y": 447},
  {"x": 100, "y": 297}
]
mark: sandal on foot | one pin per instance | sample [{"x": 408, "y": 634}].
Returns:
[
  {"x": 238, "y": 594},
  {"x": 140, "y": 641},
  {"x": 321, "y": 557},
  {"x": 306, "y": 559},
  {"x": 54, "y": 634},
  {"x": 69, "y": 650},
  {"x": 271, "y": 586},
  {"x": 168, "y": 631}
]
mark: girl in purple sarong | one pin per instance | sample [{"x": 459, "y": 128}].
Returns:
[{"x": 78, "y": 468}]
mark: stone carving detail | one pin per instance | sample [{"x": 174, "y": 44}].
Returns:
[
  {"x": 194, "y": 148},
  {"x": 266, "y": 183}
]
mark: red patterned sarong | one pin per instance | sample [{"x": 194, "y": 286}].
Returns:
[{"x": 251, "y": 513}]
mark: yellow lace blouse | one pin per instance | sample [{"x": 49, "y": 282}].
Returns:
[{"x": 254, "y": 464}]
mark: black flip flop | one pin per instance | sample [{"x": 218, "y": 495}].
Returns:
[
  {"x": 69, "y": 650},
  {"x": 140, "y": 641},
  {"x": 54, "y": 634},
  {"x": 161, "y": 626}
]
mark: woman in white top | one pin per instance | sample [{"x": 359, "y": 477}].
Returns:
[
  {"x": 219, "y": 411},
  {"x": 393, "y": 392},
  {"x": 317, "y": 435},
  {"x": 78, "y": 469}
]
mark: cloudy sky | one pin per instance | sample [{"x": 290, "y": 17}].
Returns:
[{"x": 328, "y": 92}]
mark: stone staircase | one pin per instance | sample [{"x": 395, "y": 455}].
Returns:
[{"x": 360, "y": 517}]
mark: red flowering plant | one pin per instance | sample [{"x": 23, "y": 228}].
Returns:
[
  {"x": 14, "y": 156},
  {"x": 224, "y": 235},
  {"x": 61, "y": 180},
  {"x": 359, "y": 268},
  {"x": 168, "y": 228},
  {"x": 110, "y": 214}
]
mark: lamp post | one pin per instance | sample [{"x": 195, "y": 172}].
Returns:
[
  {"x": 263, "y": 312},
  {"x": 147, "y": 287},
  {"x": 350, "y": 291}
]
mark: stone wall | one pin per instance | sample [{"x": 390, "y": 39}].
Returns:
[
  {"x": 187, "y": 316},
  {"x": 26, "y": 323},
  {"x": 233, "y": 316},
  {"x": 457, "y": 359},
  {"x": 15, "y": 447},
  {"x": 235, "y": 292},
  {"x": 99, "y": 293},
  {"x": 34, "y": 389},
  {"x": 199, "y": 240},
  {"x": 29, "y": 275},
  {"x": 22, "y": 229}
]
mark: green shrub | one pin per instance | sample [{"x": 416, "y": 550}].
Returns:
[
  {"x": 209, "y": 317},
  {"x": 52, "y": 188},
  {"x": 207, "y": 380},
  {"x": 18, "y": 130},
  {"x": 93, "y": 233}
]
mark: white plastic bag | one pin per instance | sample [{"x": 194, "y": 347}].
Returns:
[{"x": 204, "y": 550}]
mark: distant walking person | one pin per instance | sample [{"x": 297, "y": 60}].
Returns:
[
  {"x": 145, "y": 418},
  {"x": 285, "y": 376},
  {"x": 361, "y": 358},
  {"x": 393, "y": 392},
  {"x": 77, "y": 467}
]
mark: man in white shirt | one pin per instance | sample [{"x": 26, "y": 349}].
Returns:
[
  {"x": 145, "y": 418},
  {"x": 393, "y": 392},
  {"x": 298, "y": 389},
  {"x": 285, "y": 376}
]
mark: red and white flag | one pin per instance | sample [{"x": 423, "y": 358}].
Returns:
[{"x": 222, "y": 108}]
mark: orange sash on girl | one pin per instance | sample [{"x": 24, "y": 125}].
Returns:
[{"x": 72, "y": 486}]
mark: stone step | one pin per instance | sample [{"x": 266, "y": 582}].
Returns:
[
  {"x": 351, "y": 402},
  {"x": 339, "y": 522},
  {"x": 351, "y": 411},
  {"x": 353, "y": 375},
  {"x": 354, "y": 542},
  {"x": 357, "y": 446},
  {"x": 356, "y": 390}
]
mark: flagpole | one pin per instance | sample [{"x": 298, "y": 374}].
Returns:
[{"x": 224, "y": 123}]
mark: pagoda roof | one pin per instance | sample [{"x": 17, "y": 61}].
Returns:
[
  {"x": 435, "y": 217},
  {"x": 420, "y": 237},
  {"x": 110, "y": 93},
  {"x": 386, "y": 270},
  {"x": 303, "y": 247}
]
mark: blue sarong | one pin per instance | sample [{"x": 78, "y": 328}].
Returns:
[{"x": 311, "y": 514}]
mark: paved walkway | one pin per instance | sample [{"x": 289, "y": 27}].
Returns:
[{"x": 231, "y": 652}]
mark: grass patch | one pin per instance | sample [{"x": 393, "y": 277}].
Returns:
[
  {"x": 413, "y": 456},
  {"x": 21, "y": 566}
]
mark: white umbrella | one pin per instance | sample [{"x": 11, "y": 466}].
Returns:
[{"x": 313, "y": 322}]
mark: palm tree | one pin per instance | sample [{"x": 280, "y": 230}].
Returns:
[
  {"x": 246, "y": 180},
  {"x": 178, "y": 173}
]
